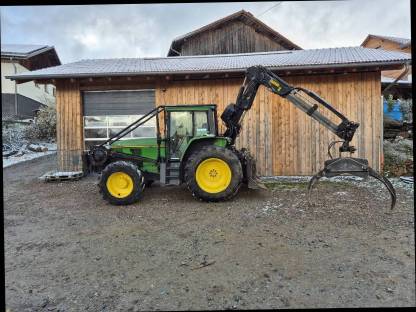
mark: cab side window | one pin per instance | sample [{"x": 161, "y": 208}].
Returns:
[{"x": 201, "y": 123}]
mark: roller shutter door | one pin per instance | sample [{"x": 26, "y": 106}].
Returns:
[
  {"x": 107, "y": 112},
  {"x": 104, "y": 103}
]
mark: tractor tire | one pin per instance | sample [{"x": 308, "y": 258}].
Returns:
[
  {"x": 121, "y": 183},
  {"x": 213, "y": 174}
]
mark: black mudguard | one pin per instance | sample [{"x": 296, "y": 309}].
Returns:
[{"x": 249, "y": 170}]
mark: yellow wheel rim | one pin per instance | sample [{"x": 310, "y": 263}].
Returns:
[
  {"x": 119, "y": 184},
  {"x": 213, "y": 175}
]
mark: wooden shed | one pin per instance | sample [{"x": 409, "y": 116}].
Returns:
[
  {"x": 92, "y": 94},
  {"x": 239, "y": 32}
]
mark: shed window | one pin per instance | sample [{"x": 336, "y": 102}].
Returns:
[{"x": 100, "y": 128}]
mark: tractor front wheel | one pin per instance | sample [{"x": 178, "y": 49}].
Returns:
[
  {"x": 121, "y": 183},
  {"x": 213, "y": 174}
]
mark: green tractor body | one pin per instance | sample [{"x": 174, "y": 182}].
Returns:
[{"x": 189, "y": 137}]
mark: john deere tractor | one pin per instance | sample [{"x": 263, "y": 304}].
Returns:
[{"x": 188, "y": 148}]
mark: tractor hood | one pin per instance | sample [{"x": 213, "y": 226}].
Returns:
[{"x": 135, "y": 143}]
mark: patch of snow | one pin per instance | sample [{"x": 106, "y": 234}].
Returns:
[
  {"x": 29, "y": 155},
  {"x": 407, "y": 179},
  {"x": 50, "y": 146},
  {"x": 341, "y": 193}
]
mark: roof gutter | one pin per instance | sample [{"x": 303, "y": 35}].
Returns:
[{"x": 236, "y": 70}]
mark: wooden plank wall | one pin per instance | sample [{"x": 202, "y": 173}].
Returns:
[
  {"x": 234, "y": 37},
  {"x": 70, "y": 139},
  {"x": 284, "y": 140}
]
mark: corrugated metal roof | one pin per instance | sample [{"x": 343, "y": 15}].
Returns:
[
  {"x": 22, "y": 50},
  {"x": 280, "y": 60}
]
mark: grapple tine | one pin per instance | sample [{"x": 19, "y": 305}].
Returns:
[
  {"x": 387, "y": 183},
  {"x": 312, "y": 182},
  {"x": 353, "y": 167}
]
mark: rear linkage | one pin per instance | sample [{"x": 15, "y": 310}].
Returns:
[{"x": 308, "y": 102}]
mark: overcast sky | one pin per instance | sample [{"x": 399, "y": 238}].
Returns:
[{"x": 145, "y": 30}]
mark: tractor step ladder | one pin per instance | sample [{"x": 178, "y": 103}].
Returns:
[{"x": 169, "y": 172}]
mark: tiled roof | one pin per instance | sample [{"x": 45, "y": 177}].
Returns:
[
  {"x": 22, "y": 50},
  {"x": 279, "y": 60}
]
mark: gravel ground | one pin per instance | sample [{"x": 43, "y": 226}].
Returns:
[{"x": 68, "y": 250}]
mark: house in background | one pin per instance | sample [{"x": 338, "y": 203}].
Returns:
[
  {"x": 397, "y": 83},
  {"x": 389, "y": 43},
  {"x": 240, "y": 32},
  {"x": 20, "y": 101}
]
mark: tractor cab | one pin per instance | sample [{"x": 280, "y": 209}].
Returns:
[
  {"x": 184, "y": 124},
  {"x": 176, "y": 128}
]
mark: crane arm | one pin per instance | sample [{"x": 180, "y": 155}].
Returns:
[
  {"x": 308, "y": 102},
  {"x": 304, "y": 99}
]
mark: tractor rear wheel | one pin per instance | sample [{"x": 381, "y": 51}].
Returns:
[
  {"x": 121, "y": 183},
  {"x": 213, "y": 174}
]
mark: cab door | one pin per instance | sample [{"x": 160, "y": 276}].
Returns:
[{"x": 180, "y": 130}]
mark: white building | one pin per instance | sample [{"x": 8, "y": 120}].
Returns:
[{"x": 21, "y": 101}]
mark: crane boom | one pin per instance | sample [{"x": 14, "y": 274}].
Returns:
[
  {"x": 308, "y": 102},
  {"x": 305, "y": 100}
]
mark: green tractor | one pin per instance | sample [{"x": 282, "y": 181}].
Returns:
[
  {"x": 188, "y": 148},
  {"x": 190, "y": 151}
]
